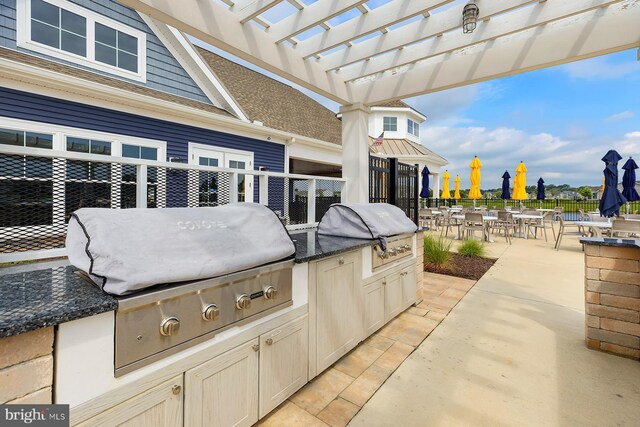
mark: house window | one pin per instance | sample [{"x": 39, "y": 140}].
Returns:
[
  {"x": 390, "y": 124},
  {"x": 413, "y": 128},
  {"x": 129, "y": 176},
  {"x": 72, "y": 33}
]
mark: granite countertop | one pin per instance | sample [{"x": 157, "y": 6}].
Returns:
[
  {"x": 608, "y": 241},
  {"x": 34, "y": 296},
  {"x": 42, "y": 294},
  {"x": 311, "y": 246}
]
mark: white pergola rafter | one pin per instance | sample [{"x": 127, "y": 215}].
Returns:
[
  {"x": 414, "y": 32},
  {"x": 376, "y": 20},
  {"x": 249, "y": 9},
  {"x": 518, "y": 20},
  {"x": 604, "y": 31}
]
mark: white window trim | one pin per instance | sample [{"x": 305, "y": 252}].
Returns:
[
  {"x": 390, "y": 117},
  {"x": 23, "y": 9},
  {"x": 416, "y": 128}
]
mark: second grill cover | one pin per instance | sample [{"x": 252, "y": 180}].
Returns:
[
  {"x": 125, "y": 250},
  {"x": 365, "y": 221}
]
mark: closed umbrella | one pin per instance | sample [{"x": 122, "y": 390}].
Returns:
[
  {"x": 445, "y": 185},
  {"x": 424, "y": 193},
  {"x": 629, "y": 181},
  {"x": 520, "y": 183},
  {"x": 505, "y": 186},
  {"x": 456, "y": 193},
  {"x": 602, "y": 189},
  {"x": 611, "y": 199},
  {"x": 475, "y": 166},
  {"x": 540, "y": 195}
]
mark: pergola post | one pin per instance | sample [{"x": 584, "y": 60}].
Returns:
[{"x": 355, "y": 152}]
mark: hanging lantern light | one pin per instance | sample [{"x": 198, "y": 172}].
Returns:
[{"x": 470, "y": 17}]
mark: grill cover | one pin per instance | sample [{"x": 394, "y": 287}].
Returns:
[
  {"x": 125, "y": 250},
  {"x": 365, "y": 221}
]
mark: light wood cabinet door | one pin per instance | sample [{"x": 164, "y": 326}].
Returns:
[
  {"x": 160, "y": 406},
  {"x": 339, "y": 312},
  {"x": 393, "y": 300},
  {"x": 284, "y": 363},
  {"x": 223, "y": 392},
  {"x": 373, "y": 307},
  {"x": 409, "y": 285}
]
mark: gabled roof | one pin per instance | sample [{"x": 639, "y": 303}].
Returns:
[
  {"x": 398, "y": 104},
  {"x": 402, "y": 147},
  {"x": 55, "y": 67},
  {"x": 273, "y": 103}
]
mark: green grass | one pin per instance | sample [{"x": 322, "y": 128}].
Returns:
[
  {"x": 472, "y": 248},
  {"x": 436, "y": 251}
]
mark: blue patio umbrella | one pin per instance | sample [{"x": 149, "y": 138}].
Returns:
[
  {"x": 611, "y": 199},
  {"x": 540, "y": 195},
  {"x": 629, "y": 181},
  {"x": 424, "y": 193},
  {"x": 506, "y": 193}
]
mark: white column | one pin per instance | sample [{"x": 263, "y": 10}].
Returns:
[
  {"x": 355, "y": 152},
  {"x": 436, "y": 185}
]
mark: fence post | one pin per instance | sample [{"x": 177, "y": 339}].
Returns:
[
  {"x": 416, "y": 194},
  {"x": 311, "y": 202},
  {"x": 263, "y": 196},
  {"x": 233, "y": 187},
  {"x": 393, "y": 181},
  {"x": 141, "y": 186}
]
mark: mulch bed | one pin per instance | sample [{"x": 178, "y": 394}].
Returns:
[{"x": 466, "y": 267}]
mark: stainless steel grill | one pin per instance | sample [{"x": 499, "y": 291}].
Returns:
[
  {"x": 156, "y": 323},
  {"x": 398, "y": 247}
]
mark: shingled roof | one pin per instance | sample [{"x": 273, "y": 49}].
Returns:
[
  {"x": 398, "y": 104},
  {"x": 275, "y": 104}
]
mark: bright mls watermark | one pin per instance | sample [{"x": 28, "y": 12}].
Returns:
[{"x": 34, "y": 415}]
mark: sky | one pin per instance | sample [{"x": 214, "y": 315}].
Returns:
[{"x": 560, "y": 121}]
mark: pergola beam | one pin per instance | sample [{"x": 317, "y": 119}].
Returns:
[
  {"x": 309, "y": 17},
  {"x": 378, "y": 19},
  {"x": 434, "y": 25},
  {"x": 597, "y": 33},
  {"x": 214, "y": 24},
  {"x": 249, "y": 9},
  {"x": 519, "y": 20}
]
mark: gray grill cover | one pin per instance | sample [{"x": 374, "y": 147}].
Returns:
[
  {"x": 125, "y": 250},
  {"x": 365, "y": 221}
]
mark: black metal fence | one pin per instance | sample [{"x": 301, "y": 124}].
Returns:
[{"x": 393, "y": 182}]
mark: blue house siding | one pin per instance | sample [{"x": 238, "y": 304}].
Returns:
[
  {"x": 28, "y": 106},
  {"x": 164, "y": 73}
]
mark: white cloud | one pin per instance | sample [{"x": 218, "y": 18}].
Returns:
[
  {"x": 600, "y": 68},
  {"x": 557, "y": 160},
  {"x": 624, "y": 115}
]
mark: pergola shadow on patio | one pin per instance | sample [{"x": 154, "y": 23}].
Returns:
[{"x": 512, "y": 352}]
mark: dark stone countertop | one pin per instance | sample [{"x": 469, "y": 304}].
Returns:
[
  {"x": 34, "y": 296},
  {"x": 311, "y": 246},
  {"x": 608, "y": 241},
  {"x": 42, "y": 294}
]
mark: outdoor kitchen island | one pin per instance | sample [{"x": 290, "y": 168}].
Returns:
[{"x": 58, "y": 330}]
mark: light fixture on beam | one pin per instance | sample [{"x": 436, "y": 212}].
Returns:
[{"x": 470, "y": 17}]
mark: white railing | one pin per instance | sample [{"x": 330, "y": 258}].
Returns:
[{"x": 282, "y": 192}]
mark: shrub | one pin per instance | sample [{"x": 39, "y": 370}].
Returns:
[
  {"x": 472, "y": 248},
  {"x": 436, "y": 251}
]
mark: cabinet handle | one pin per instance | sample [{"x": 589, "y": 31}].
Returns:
[
  {"x": 341, "y": 261},
  {"x": 176, "y": 389},
  {"x": 269, "y": 341},
  {"x": 255, "y": 347}
]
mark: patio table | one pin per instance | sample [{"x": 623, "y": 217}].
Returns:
[
  {"x": 486, "y": 220},
  {"x": 521, "y": 218},
  {"x": 595, "y": 227}
]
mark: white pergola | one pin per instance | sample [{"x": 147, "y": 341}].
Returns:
[{"x": 400, "y": 49}]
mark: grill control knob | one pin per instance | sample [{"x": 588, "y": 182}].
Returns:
[
  {"x": 210, "y": 312},
  {"x": 392, "y": 252},
  {"x": 243, "y": 302},
  {"x": 406, "y": 247},
  {"x": 169, "y": 326},
  {"x": 270, "y": 292}
]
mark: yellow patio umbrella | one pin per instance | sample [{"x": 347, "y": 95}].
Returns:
[
  {"x": 602, "y": 189},
  {"x": 445, "y": 185},
  {"x": 475, "y": 166},
  {"x": 456, "y": 194},
  {"x": 520, "y": 183}
]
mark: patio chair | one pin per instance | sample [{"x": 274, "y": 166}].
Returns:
[
  {"x": 632, "y": 216},
  {"x": 567, "y": 230},
  {"x": 445, "y": 222},
  {"x": 542, "y": 223},
  {"x": 557, "y": 213},
  {"x": 426, "y": 218},
  {"x": 625, "y": 228},
  {"x": 582, "y": 216},
  {"x": 505, "y": 223},
  {"x": 472, "y": 223}
]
